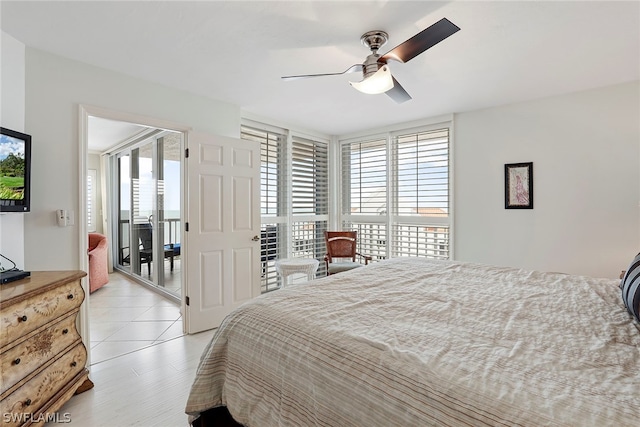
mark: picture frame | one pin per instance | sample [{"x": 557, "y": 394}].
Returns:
[{"x": 518, "y": 185}]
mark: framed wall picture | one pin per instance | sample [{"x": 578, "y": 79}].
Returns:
[{"x": 518, "y": 186}]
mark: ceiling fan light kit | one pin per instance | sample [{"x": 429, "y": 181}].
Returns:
[
  {"x": 377, "y": 77},
  {"x": 379, "y": 82}
]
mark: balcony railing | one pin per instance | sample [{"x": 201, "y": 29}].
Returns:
[
  {"x": 405, "y": 240},
  {"x": 171, "y": 234}
]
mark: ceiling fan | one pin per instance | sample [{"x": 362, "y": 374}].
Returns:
[{"x": 377, "y": 77}]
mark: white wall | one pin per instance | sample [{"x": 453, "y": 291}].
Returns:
[
  {"x": 585, "y": 149},
  {"x": 12, "y": 117},
  {"x": 55, "y": 87}
]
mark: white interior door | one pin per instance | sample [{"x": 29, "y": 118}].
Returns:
[{"x": 223, "y": 239}]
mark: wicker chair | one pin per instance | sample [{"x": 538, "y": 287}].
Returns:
[{"x": 341, "y": 251}]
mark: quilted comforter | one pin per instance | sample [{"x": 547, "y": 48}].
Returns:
[{"x": 414, "y": 342}]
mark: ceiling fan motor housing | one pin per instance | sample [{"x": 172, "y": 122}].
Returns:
[
  {"x": 374, "y": 40},
  {"x": 371, "y": 65}
]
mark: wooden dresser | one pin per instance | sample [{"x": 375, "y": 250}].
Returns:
[{"x": 42, "y": 357}]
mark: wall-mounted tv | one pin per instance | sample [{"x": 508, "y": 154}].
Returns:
[{"x": 15, "y": 171}]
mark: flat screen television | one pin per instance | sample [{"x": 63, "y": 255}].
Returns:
[{"x": 15, "y": 171}]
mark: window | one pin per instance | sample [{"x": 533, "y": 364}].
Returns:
[
  {"x": 272, "y": 201},
  {"x": 294, "y": 197},
  {"x": 395, "y": 193},
  {"x": 421, "y": 168},
  {"x": 399, "y": 207},
  {"x": 272, "y": 168},
  {"x": 364, "y": 194},
  {"x": 309, "y": 198},
  {"x": 422, "y": 174},
  {"x": 309, "y": 178},
  {"x": 365, "y": 180}
]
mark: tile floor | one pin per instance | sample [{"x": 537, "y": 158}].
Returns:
[
  {"x": 142, "y": 365},
  {"x": 126, "y": 316},
  {"x": 172, "y": 279},
  {"x": 146, "y": 387}
]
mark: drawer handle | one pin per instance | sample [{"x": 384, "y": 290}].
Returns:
[
  {"x": 23, "y": 318},
  {"x": 65, "y": 331},
  {"x": 27, "y": 402},
  {"x": 17, "y": 361},
  {"x": 73, "y": 364},
  {"x": 70, "y": 296}
]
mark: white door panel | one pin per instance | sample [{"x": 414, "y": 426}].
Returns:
[{"x": 223, "y": 265}]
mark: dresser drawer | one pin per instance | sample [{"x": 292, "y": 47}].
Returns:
[
  {"x": 19, "y": 319},
  {"x": 34, "y": 394},
  {"x": 20, "y": 361}
]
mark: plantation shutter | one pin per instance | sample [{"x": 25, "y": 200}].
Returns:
[
  {"x": 364, "y": 193},
  {"x": 309, "y": 177},
  {"x": 422, "y": 179},
  {"x": 309, "y": 198},
  {"x": 273, "y": 205},
  {"x": 365, "y": 180},
  {"x": 91, "y": 200},
  {"x": 399, "y": 207},
  {"x": 421, "y": 165}
]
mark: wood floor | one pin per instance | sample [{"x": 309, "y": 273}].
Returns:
[{"x": 145, "y": 387}]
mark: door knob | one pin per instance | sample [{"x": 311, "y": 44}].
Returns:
[{"x": 255, "y": 238}]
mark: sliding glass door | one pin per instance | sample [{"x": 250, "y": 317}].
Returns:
[
  {"x": 168, "y": 224},
  {"x": 148, "y": 197}
]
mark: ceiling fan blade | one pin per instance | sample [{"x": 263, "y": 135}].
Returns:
[
  {"x": 353, "y": 69},
  {"x": 422, "y": 41},
  {"x": 397, "y": 92}
]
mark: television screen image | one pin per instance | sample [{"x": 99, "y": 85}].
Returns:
[{"x": 15, "y": 173}]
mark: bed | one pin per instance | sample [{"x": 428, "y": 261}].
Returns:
[{"x": 415, "y": 342}]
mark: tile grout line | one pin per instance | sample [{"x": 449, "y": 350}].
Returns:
[{"x": 102, "y": 302}]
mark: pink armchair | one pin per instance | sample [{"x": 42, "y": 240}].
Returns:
[{"x": 98, "y": 269}]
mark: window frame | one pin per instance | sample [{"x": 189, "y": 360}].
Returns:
[{"x": 392, "y": 219}]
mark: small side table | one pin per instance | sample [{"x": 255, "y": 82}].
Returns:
[{"x": 289, "y": 266}]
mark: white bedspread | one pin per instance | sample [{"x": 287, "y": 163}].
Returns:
[{"x": 413, "y": 342}]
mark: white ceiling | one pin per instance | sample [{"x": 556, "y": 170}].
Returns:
[
  {"x": 236, "y": 51},
  {"x": 104, "y": 133}
]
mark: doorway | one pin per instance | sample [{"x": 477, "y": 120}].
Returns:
[
  {"x": 223, "y": 208},
  {"x": 148, "y": 310}
]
